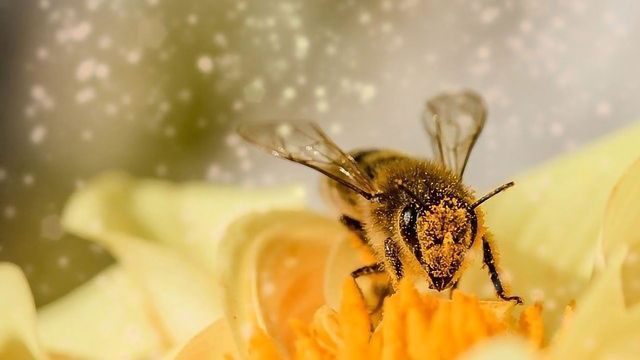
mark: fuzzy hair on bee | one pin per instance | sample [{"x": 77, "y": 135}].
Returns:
[{"x": 416, "y": 215}]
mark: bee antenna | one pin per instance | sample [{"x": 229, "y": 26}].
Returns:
[
  {"x": 412, "y": 195},
  {"x": 496, "y": 191}
]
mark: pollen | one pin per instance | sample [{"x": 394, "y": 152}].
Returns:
[
  {"x": 413, "y": 326},
  {"x": 445, "y": 220}
]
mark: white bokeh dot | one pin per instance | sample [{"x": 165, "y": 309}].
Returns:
[
  {"x": 28, "y": 180},
  {"x": 9, "y": 212},
  {"x": 205, "y": 64},
  {"x": 38, "y": 134},
  {"x": 63, "y": 262}
]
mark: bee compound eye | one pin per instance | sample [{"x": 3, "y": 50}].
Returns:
[{"x": 408, "y": 223}]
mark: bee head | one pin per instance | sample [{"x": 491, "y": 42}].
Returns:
[{"x": 439, "y": 236}]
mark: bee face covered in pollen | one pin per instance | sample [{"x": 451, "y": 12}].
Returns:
[
  {"x": 436, "y": 228},
  {"x": 444, "y": 234}
]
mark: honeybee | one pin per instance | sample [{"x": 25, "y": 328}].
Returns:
[{"x": 416, "y": 214}]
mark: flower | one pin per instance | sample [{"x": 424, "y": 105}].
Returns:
[
  {"x": 558, "y": 244},
  {"x": 162, "y": 289},
  {"x": 199, "y": 266},
  {"x": 414, "y": 326}
]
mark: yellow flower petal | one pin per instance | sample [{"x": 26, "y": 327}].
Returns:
[
  {"x": 166, "y": 237},
  {"x": 189, "y": 218},
  {"x": 108, "y": 317},
  {"x": 502, "y": 348},
  {"x": 18, "y": 336},
  {"x": 546, "y": 228},
  {"x": 601, "y": 327},
  {"x": 182, "y": 297},
  {"x": 271, "y": 266},
  {"x": 214, "y": 342},
  {"x": 621, "y": 230},
  {"x": 355, "y": 323},
  {"x": 264, "y": 347},
  {"x": 622, "y": 218}
]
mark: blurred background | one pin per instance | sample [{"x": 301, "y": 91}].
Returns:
[{"x": 155, "y": 88}]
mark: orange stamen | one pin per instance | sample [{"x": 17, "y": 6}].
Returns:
[{"x": 413, "y": 326}]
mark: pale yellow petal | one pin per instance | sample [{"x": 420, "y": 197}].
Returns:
[
  {"x": 502, "y": 348},
  {"x": 18, "y": 336},
  {"x": 611, "y": 301},
  {"x": 602, "y": 327},
  {"x": 188, "y": 217},
  {"x": 106, "y": 318},
  {"x": 554, "y": 212},
  {"x": 622, "y": 217},
  {"x": 272, "y": 267},
  {"x": 182, "y": 296},
  {"x": 166, "y": 237},
  {"x": 546, "y": 228},
  {"x": 214, "y": 342},
  {"x": 621, "y": 230}
]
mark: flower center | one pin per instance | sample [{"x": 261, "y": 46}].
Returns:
[{"x": 413, "y": 326}]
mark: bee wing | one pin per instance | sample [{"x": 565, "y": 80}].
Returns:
[
  {"x": 306, "y": 144},
  {"x": 454, "y": 122}
]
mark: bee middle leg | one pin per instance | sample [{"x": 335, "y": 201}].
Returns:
[
  {"x": 391, "y": 252},
  {"x": 392, "y": 255},
  {"x": 355, "y": 226},
  {"x": 368, "y": 270},
  {"x": 378, "y": 291},
  {"x": 489, "y": 261}
]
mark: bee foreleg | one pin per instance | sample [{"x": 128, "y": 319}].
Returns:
[
  {"x": 392, "y": 256},
  {"x": 367, "y": 270},
  {"x": 355, "y": 226},
  {"x": 490, "y": 262},
  {"x": 378, "y": 292}
]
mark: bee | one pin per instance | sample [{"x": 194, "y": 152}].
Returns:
[{"x": 417, "y": 216}]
